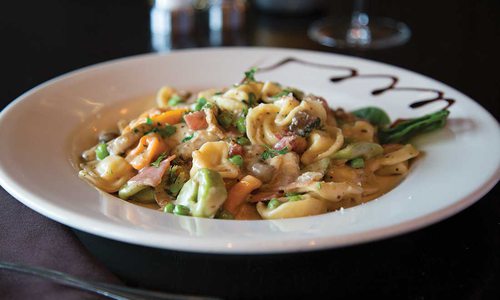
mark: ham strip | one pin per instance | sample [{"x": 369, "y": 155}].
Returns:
[{"x": 152, "y": 175}]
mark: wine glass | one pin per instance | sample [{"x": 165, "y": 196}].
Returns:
[{"x": 360, "y": 32}]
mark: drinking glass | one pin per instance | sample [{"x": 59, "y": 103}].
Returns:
[{"x": 360, "y": 31}]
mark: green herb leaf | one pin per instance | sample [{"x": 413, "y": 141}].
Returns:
[
  {"x": 250, "y": 74},
  {"x": 252, "y": 100},
  {"x": 149, "y": 121},
  {"x": 270, "y": 153},
  {"x": 187, "y": 138},
  {"x": 167, "y": 131},
  {"x": 374, "y": 115},
  {"x": 160, "y": 158},
  {"x": 407, "y": 129}
]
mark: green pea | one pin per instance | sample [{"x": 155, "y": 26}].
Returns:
[
  {"x": 181, "y": 210},
  {"x": 357, "y": 163},
  {"x": 237, "y": 160},
  {"x": 169, "y": 208},
  {"x": 243, "y": 141},
  {"x": 274, "y": 203},
  {"x": 200, "y": 103},
  {"x": 240, "y": 124},
  {"x": 101, "y": 151},
  {"x": 225, "y": 119},
  {"x": 175, "y": 100}
]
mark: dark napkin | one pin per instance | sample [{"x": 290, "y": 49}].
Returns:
[{"x": 29, "y": 238}]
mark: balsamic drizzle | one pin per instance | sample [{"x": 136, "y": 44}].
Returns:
[{"x": 354, "y": 73}]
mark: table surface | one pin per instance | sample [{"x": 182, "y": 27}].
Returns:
[{"x": 455, "y": 42}]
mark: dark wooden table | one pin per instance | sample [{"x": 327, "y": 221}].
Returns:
[{"x": 456, "y": 42}]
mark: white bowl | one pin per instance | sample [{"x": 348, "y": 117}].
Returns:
[{"x": 43, "y": 131}]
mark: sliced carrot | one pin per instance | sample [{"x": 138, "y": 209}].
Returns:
[
  {"x": 239, "y": 192},
  {"x": 169, "y": 117},
  {"x": 149, "y": 147}
]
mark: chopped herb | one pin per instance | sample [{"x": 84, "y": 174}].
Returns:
[
  {"x": 273, "y": 203},
  {"x": 357, "y": 163},
  {"x": 175, "y": 100},
  {"x": 187, "y": 138},
  {"x": 149, "y": 121},
  {"x": 270, "y": 153},
  {"x": 252, "y": 99},
  {"x": 101, "y": 151},
  {"x": 250, "y": 74},
  {"x": 293, "y": 196},
  {"x": 240, "y": 124},
  {"x": 243, "y": 141},
  {"x": 200, "y": 103},
  {"x": 160, "y": 158},
  {"x": 167, "y": 131},
  {"x": 218, "y": 94},
  {"x": 244, "y": 111},
  {"x": 311, "y": 126},
  {"x": 237, "y": 160},
  {"x": 169, "y": 208},
  {"x": 177, "y": 179}
]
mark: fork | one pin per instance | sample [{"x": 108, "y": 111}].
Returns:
[{"x": 105, "y": 289}]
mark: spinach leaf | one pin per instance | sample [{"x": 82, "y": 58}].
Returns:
[
  {"x": 374, "y": 115},
  {"x": 407, "y": 129}
]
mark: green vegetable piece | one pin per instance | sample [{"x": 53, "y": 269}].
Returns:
[
  {"x": 224, "y": 214},
  {"x": 147, "y": 195},
  {"x": 252, "y": 100},
  {"x": 169, "y": 208},
  {"x": 270, "y": 153},
  {"x": 297, "y": 94},
  {"x": 204, "y": 193},
  {"x": 177, "y": 179},
  {"x": 158, "y": 161},
  {"x": 250, "y": 74},
  {"x": 407, "y": 129},
  {"x": 237, "y": 160},
  {"x": 240, "y": 125},
  {"x": 200, "y": 103},
  {"x": 187, "y": 138},
  {"x": 273, "y": 203},
  {"x": 101, "y": 151},
  {"x": 167, "y": 131},
  {"x": 293, "y": 196},
  {"x": 374, "y": 115},
  {"x": 361, "y": 149},
  {"x": 181, "y": 210},
  {"x": 243, "y": 141},
  {"x": 175, "y": 100},
  {"x": 225, "y": 119},
  {"x": 149, "y": 121},
  {"x": 130, "y": 189},
  {"x": 357, "y": 163}
]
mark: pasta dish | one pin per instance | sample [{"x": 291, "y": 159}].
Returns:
[{"x": 255, "y": 150}]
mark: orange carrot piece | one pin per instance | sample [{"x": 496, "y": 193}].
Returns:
[
  {"x": 169, "y": 117},
  {"x": 239, "y": 192},
  {"x": 149, "y": 147}
]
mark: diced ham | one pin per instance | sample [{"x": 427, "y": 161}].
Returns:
[
  {"x": 196, "y": 120},
  {"x": 294, "y": 143},
  {"x": 235, "y": 149},
  {"x": 152, "y": 175}
]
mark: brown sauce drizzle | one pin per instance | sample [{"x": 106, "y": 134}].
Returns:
[{"x": 354, "y": 73}]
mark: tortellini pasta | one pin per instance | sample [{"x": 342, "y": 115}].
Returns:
[
  {"x": 322, "y": 145},
  {"x": 108, "y": 174},
  {"x": 214, "y": 156}
]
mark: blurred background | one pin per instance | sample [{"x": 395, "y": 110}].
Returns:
[{"x": 43, "y": 39}]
